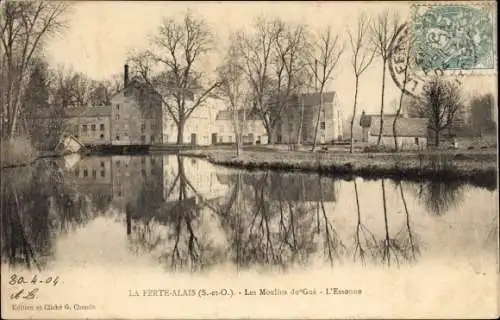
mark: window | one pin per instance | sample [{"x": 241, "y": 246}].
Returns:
[
  {"x": 153, "y": 126},
  {"x": 94, "y": 173},
  {"x": 143, "y": 160},
  {"x": 117, "y": 117},
  {"x": 323, "y": 125},
  {"x": 84, "y": 128},
  {"x": 143, "y": 127},
  {"x": 230, "y": 138},
  {"x": 220, "y": 139},
  {"x": 117, "y": 138},
  {"x": 143, "y": 139},
  {"x": 102, "y": 136},
  {"x": 117, "y": 107},
  {"x": 118, "y": 163},
  {"x": 101, "y": 127},
  {"x": 85, "y": 172},
  {"x": 416, "y": 141},
  {"x": 77, "y": 172},
  {"x": 102, "y": 164},
  {"x": 103, "y": 173},
  {"x": 92, "y": 127},
  {"x": 152, "y": 138},
  {"x": 75, "y": 130}
]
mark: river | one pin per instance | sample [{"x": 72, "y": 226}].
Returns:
[{"x": 120, "y": 217}]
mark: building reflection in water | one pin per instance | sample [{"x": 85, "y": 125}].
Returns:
[{"x": 188, "y": 214}]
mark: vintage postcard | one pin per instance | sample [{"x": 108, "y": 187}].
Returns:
[{"x": 262, "y": 160}]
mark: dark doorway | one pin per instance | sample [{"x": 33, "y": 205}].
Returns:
[
  {"x": 250, "y": 138},
  {"x": 193, "y": 138},
  {"x": 214, "y": 138}
]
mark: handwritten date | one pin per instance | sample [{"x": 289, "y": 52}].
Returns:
[{"x": 34, "y": 280}]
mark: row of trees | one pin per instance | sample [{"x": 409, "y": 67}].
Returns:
[
  {"x": 27, "y": 83},
  {"x": 264, "y": 66}
]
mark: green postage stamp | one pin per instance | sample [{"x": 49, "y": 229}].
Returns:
[{"x": 454, "y": 36}]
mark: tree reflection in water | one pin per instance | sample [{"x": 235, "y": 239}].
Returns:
[
  {"x": 406, "y": 238},
  {"x": 262, "y": 220},
  {"x": 364, "y": 239},
  {"x": 167, "y": 225},
  {"x": 400, "y": 248},
  {"x": 440, "y": 197},
  {"x": 269, "y": 219},
  {"x": 37, "y": 205}
]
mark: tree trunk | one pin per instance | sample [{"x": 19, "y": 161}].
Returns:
[
  {"x": 382, "y": 104},
  {"x": 180, "y": 131},
  {"x": 299, "y": 134},
  {"x": 394, "y": 133},
  {"x": 270, "y": 138},
  {"x": 317, "y": 119},
  {"x": 237, "y": 131},
  {"x": 354, "y": 113}
]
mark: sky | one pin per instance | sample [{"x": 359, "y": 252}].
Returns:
[{"x": 101, "y": 34}]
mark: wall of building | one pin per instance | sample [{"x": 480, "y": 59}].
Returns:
[
  {"x": 329, "y": 126},
  {"x": 131, "y": 125},
  {"x": 406, "y": 143},
  {"x": 253, "y": 132},
  {"x": 90, "y": 130},
  {"x": 199, "y": 127}
]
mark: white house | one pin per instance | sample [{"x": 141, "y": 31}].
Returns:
[
  {"x": 199, "y": 128},
  {"x": 252, "y": 126}
]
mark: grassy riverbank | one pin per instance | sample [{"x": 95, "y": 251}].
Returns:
[
  {"x": 19, "y": 152},
  {"x": 16, "y": 152},
  {"x": 478, "y": 167}
]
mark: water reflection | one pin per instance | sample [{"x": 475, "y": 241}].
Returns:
[{"x": 186, "y": 214}]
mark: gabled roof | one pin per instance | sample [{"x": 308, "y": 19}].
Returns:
[
  {"x": 405, "y": 127},
  {"x": 250, "y": 114}
]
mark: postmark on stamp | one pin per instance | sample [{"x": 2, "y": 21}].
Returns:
[{"x": 454, "y": 37}]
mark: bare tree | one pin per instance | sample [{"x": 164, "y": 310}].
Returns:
[
  {"x": 23, "y": 28},
  {"x": 177, "y": 51},
  {"x": 362, "y": 57},
  {"x": 274, "y": 57},
  {"x": 291, "y": 50},
  {"x": 442, "y": 102},
  {"x": 233, "y": 89},
  {"x": 383, "y": 29},
  {"x": 326, "y": 54},
  {"x": 256, "y": 50},
  {"x": 113, "y": 84},
  {"x": 406, "y": 57}
]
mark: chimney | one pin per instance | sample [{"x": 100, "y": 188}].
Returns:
[{"x": 125, "y": 76}]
